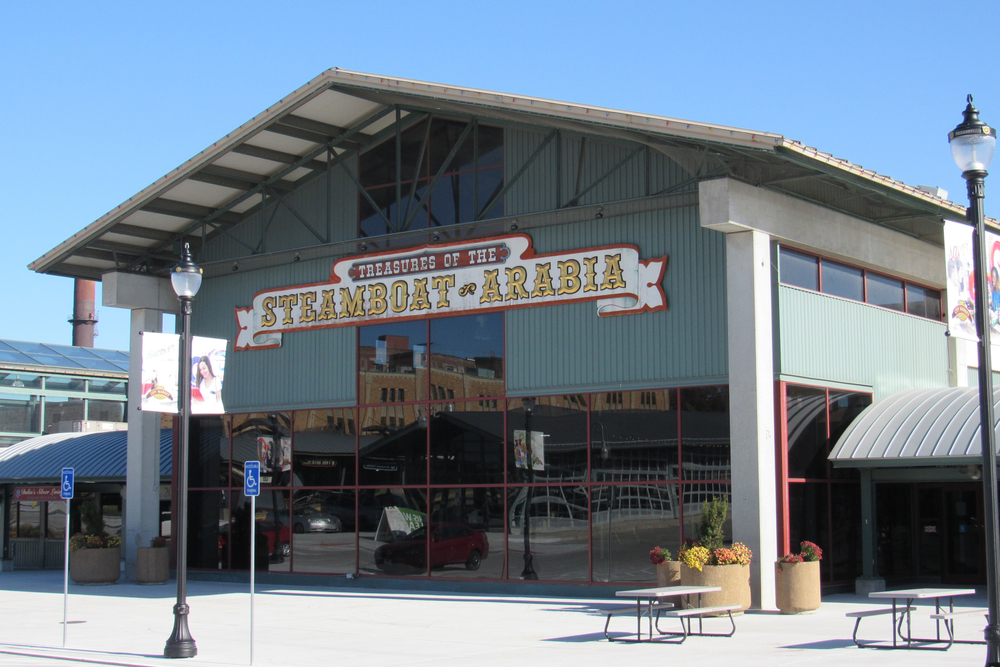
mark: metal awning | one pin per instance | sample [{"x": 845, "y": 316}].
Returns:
[
  {"x": 920, "y": 427},
  {"x": 341, "y": 114}
]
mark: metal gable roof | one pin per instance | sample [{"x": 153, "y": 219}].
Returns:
[
  {"x": 341, "y": 111},
  {"x": 94, "y": 456},
  {"x": 921, "y": 427}
]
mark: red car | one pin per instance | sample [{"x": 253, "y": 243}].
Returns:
[{"x": 451, "y": 544}]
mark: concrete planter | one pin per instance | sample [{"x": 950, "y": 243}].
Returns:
[
  {"x": 669, "y": 573},
  {"x": 95, "y": 567},
  {"x": 733, "y": 579},
  {"x": 152, "y": 565},
  {"x": 797, "y": 587}
]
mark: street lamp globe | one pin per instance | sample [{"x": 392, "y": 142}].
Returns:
[
  {"x": 186, "y": 276},
  {"x": 973, "y": 141}
]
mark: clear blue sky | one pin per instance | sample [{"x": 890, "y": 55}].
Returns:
[{"x": 101, "y": 99}]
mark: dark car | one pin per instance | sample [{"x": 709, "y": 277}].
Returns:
[{"x": 451, "y": 544}]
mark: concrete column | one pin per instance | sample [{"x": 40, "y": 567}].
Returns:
[
  {"x": 148, "y": 298},
  {"x": 142, "y": 478},
  {"x": 751, "y": 406}
]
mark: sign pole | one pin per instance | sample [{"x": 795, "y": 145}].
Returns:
[
  {"x": 66, "y": 491},
  {"x": 251, "y": 488}
]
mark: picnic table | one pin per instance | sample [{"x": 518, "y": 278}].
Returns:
[
  {"x": 902, "y": 614},
  {"x": 651, "y": 597}
]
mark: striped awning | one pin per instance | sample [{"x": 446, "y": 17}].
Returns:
[{"x": 921, "y": 427}]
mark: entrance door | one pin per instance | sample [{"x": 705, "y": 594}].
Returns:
[{"x": 965, "y": 556}]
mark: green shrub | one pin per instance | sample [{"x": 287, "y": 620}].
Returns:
[{"x": 713, "y": 516}]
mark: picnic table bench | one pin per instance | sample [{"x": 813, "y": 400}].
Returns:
[
  {"x": 652, "y": 598},
  {"x": 902, "y": 614}
]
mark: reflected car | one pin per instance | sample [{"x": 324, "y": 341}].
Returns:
[
  {"x": 451, "y": 544},
  {"x": 313, "y": 520}
]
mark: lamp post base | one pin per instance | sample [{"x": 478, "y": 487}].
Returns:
[{"x": 180, "y": 644}]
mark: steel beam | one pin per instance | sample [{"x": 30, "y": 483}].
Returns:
[
  {"x": 280, "y": 157},
  {"x": 444, "y": 167},
  {"x": 182, "y": 209},
  {"x": 524, "y": 167}
]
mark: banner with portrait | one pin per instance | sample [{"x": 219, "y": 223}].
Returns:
[
  {"x": 536, "y": 453},
  {"x": 962, "y": 284},
  {"x": 160, "y": 364}
]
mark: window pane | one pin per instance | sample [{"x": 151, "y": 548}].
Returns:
[
  {"x": 467, "y": 443},
  {"x": 56, "y": 523},
  {"x": 208, "y": 530},
  {"x": 557, "y": 532},
  {"x": 808, "y": 519},
  {"x": 392, "y": 356},
  {"x": 885, "y": 292},
  {"x": 693, "y": 499},
  {"x": 629, "y": 520},
  {"x": 323, "y": 448},
  {"x": 29, "y": 518},
  {"x": 845, "y": 406},
  {"x": 322, "y": 539},
  {"x": 562, "y": 432},
  {"x": 923, "y": 302},
  {"x": 62, "y": 410},
  {"x": 393, "y": 531},
  {"x": 263, "y": 437},
  {"x": 467, "y": 356},
  {"x": 19, "y": 413},
  {"x": 807, "y": 442},
  {"x": 462, "y": 543},
  {"x": 705, "y": 433},
  {"x": 65, "y": 383},
  {"x": 845, "y": 556},
  {"x": 799, "y": 269},
  {"x": 843, "y": 281},
  {"x": 393, "y": 445},
  {"x": 208, "y": 453},
  {"x": 106, "y": 411},
  {"x": 634, "y": 439},
  {"x": 20, "y": 380}
]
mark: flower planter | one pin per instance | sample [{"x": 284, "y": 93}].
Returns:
[
  {"x": 797, "y": 587},
  {"x": 733, "y": 579},
  {"x": 152, "y": 565},
  {"x": 95, "y": 567},
  {"x": 668, "y": 574}
]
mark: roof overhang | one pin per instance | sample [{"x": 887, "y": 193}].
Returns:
[
  {"x": 341, "y": 113},
  {"x": 916, "y": 428}
]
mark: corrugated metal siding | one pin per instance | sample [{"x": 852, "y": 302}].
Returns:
[
  {"x": 94, "y": 456},
  {"x": 536, "y": 189},
  {"x": 826, "y": 338},
  {"x": 284, "y": 230},
  {"x": 311, "y": 368},
  {"x": 570, "y": 347}
]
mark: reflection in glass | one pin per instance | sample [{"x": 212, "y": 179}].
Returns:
[
  {"x": 105, "y": 411},
  {"x": 273, "y": 531},
  {"x": 563, "y": 434},
  {"x": 208, "y": 452},
  {"x": 845, "y": 406},
  {"x": 466, "y": 444},
  {"x": 923, "y": 302},
  {"x": 264, "y": 437},
  {"x": 323, "y": 531},
  {"x": 633, "y": 436},
  {"x": 884, "y": 291},
  {"x": 845, "y": 549},
  {"x": 627, "y": 521},
  {"x": 467, "y": 532},
  {"x": 392, "y": 363},
  {"x": 19, "y": 413},
  {"x": 694, "y": 498},
  {"x": 799, "y": 269},
  {"x": 807, "y": 441},
  {"x": 62, "y": 410},
  {"x": 467, "y": 357},
  {"x": 705, "y": 433},
  {"x": 843, "y": 281},
  {"x": 393, "y": 453},
  {"x": 55, "y": 523},
  {"x": 323, "y": 447},
  {"x": 392, "y": 536},
  {"x": 559, "y": 524}
]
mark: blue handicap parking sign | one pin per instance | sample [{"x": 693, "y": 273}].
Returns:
[
  {"x": 251, "y": 478},
  {"x": 66, "y": 487}
]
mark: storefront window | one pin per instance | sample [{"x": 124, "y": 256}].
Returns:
[
  {"x": 625, "y": 520},
  {"x": 560, "y": 429},
  {"x": 209, "y": 530},
  {"x": 466, "y": 530},
  {"x": 323, "y": 531},
  {"x": 392, "y": 536},
  {"x": 705, "y": 433},
  {"x": 467, "y": 443},
  {"x": 467, "y": 356},
  {"x": 29, "y": 519},
  {"x": 392, "y": 363},
  {"x": 809, "y": 520},
  {"x": 557, "y": 521},
  {"x": 807, "y": 439},
  {"x": 208, "y": 452},
  {"x": 394, "y": 451},
  {"x": 323, "y": 447},
  {"x": 264, "y": 437},
  {"x": 634, "y": 436}
]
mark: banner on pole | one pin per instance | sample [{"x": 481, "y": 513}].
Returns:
[{"x": 160, "y": 363}]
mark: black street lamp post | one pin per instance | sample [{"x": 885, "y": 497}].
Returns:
[
  {"x": 529, "y": 570},
  {"x": 972, "y": 146},
  {"x": 186, "y": 280}
]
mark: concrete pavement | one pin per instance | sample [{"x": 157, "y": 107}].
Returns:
[{"x": 127, "y": 624}]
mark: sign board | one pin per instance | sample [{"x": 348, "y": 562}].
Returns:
[
  {"x": 36, "y": 493},
  {"x": 453, "y": 278},
  {"x": 66, "y": 487},
  {"x": 160, "y": 364},
  {"x": 251, "y": 478}
]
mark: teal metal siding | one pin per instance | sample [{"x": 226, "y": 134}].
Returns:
[
  {"x": 570, "y": 348},
  {"x": 825, "y": 338},
  {"x": 311, "y": 368},
  {"x": 282, "y": 230},
  {"x": 648, "y": 172}
]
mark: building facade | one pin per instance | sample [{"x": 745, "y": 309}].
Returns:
[{"x": 696, "y": 311}]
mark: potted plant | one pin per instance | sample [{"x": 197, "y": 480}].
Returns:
[
  {"x": 152, "y": 564},
  {"x": 797, "y": 580},
  {"x": 708, "y": 563},
  {"x": 668, "y": 572},
  {"x": 95, "y": 557}
]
